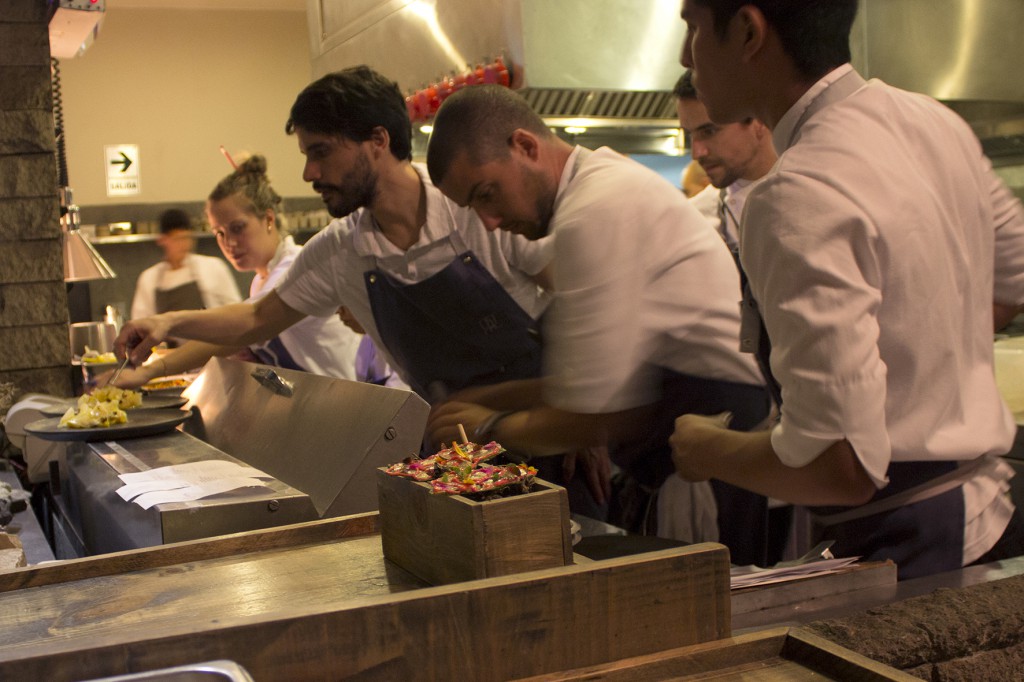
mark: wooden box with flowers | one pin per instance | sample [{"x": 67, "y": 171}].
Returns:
[{"x": 458, "y": 515}]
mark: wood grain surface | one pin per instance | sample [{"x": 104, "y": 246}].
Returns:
[
  {"x": 450, "y": 538},
  {"x": 168, "y": 555},
  {"x": 337, "y": 609},
  {"x": 776, "y": 655}
]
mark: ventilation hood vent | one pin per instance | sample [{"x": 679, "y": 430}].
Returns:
[{"x": 612, "y": 107}]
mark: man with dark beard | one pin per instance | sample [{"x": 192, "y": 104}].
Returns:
[{"x": 451, "y": 304}]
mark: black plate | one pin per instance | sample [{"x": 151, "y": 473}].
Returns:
[
  {"x": 140, "y": 423},
  {"x": 172, "y": 391},
  {"x": 149, "y": 402}
]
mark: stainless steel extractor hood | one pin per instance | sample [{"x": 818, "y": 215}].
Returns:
[
  {"x": 965, "y": 53},
  {"x": 613, "y": 62}
]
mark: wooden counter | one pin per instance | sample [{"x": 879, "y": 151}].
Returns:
[{"x": 318, "y": 601}]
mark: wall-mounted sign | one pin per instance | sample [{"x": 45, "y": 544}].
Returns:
[{"x": 122, "y": 169}]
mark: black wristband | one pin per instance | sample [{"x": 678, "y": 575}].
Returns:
[{"x": 483, "y": 431}]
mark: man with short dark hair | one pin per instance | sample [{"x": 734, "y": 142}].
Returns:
[
  {"x": 183, "y": 280},
  {"x": 645, "y": 322},
  {"x": 417, "y": 272},
  {"x": 734, "y": 156},
  {"x": 869, "y": 251}
]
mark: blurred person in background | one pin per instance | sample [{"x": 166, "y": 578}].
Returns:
[
  {"x": 183, "y": 280},
  {"x": 734, "y": 156},
  {"x": 694, "y": 179}
]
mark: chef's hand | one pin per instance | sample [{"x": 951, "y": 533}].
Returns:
[
  {"x": 596, "y": 465},
  {"x": 690, "y": 441},
  {"x": 130, "y": 377},
  {"x": 443, "y": 422},
  {"x": 138, "y": 337}
]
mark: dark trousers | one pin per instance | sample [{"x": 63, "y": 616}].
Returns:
[{"x": 646, "y": 462}]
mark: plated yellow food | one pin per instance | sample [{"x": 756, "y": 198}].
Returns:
[
  {"x": 164, "y": 384},
  {"x": 103, "y": 407},
  {"x": 92, "y": 357}
]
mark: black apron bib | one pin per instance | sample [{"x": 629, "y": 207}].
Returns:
[
  {"x": 743, "y": 515},
  {"x": 457, "y": 328},
  {"x": 273, "y": 352},
  {"x": 922, "y": 537},
  {"x": 184, "y": 297}
]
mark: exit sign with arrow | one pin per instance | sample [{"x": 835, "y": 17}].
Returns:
[{"x": 122, "y": 162}]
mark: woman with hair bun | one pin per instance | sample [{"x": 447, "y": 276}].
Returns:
[{"x": 244, "y": 213}]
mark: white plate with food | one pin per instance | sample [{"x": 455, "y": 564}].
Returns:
[
  {"x": 170, "y": 385},
  {"x": 140, "y": 423},
  {"x": 149, "y": 402}
]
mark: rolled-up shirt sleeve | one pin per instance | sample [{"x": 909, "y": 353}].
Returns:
[{"x": 813, "y": 273}]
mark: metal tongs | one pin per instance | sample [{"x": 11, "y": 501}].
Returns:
[{"x": 120, "y": 368}]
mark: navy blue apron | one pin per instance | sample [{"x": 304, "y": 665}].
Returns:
[
  {"x": 924, "y": 537},
  {"x": 480, "y": 336},
  {"x": 742, "y": 515},
  {"x": 743, "y": 520},
  {"x": 457, "y": 328},
  {"x": 273, "y": 352}
]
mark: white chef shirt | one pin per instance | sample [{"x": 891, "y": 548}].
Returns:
[
  {"x": 320, "y": 345},
  {"x": 641, "y": 284},
  {"x": 706, "y": 201},
  {"x": 871, "y": 258},
  {"x": 735, "y": 199},
  {"x": 216, "y": 283},
  {"x": 328, "y": 273}
]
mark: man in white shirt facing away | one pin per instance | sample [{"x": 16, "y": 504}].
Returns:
[{"x": 875, "y": 250}]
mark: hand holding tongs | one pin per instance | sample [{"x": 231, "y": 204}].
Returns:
[{"x": 120, "y": 368}]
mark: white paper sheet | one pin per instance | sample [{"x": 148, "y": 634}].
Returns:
[
  {"x": 746, "y": 576},
  {"x": 196, "y": 492},
  {"x": 185, "y": 482}
]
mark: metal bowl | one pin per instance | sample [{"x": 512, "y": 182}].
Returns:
[{"x": 99, "y": 336}]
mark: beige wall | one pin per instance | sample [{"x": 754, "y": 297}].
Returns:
[{"x": 179, "y": 83}]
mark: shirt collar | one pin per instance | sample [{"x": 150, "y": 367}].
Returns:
[
  {"x": 568, "y": 171},
  {"x": 282, "y": 247},
  {"x": 785, "y": 130},
  {"x": 368, "y": 240}
]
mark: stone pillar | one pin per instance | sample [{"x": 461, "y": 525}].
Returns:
[{"x": 34, "y": 350}]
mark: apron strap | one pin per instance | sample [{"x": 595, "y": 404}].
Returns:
[{"x": 919, "y": 493}]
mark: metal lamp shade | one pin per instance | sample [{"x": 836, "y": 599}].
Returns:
[{"x": 82, "y": 261}]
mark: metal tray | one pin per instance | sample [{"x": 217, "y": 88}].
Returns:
[{"x": 140, "y": 423}]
